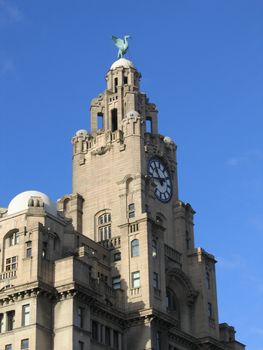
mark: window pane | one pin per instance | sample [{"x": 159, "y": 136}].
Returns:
[
  {"x": 116, "y": 282},
  {"x": 135, "y": 251},
  {"x": 95, "y": 330},
  {"x": 10, "y": 319},
  {"x": 24, "y": 344},
  {"x": 8, "y": 347},
  {"x": 107, "y": 336},
  {"x": 136, "y": 283},
  {"x": 25, "y": 315}
]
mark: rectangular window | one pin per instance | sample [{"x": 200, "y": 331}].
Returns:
[
  {"x": 107, "y": 336},
  {"x": 155, "y": 280},
  {"x": 25, "y": 314},
  {"x": 117, "y": 256},
  {"x": 11, "y": 263},
  {"x": 131, "y": 210},
  {"x": 28, "y": 249},
  {"x": 115, "y": 340},
  {"x": 1, "y": 323},
  {"x": 44, "y": 250},
  {"x": 116, "y": 282},
  {"x": 24, "y": 344},
  {"x": 8, "y": 347},
  {"x": 101, "y": 333},
  {"x": 81, "y": 345},
  {"x": 209, "y": 310},
  {"x": 10, "y": 320},
  {"x": 95, "y": 333},
  {"x": 158, "y": 341},
  {"x": 80, "y": 317},
  {"x": 136, "y": 280}
]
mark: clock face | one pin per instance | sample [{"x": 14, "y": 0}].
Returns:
[{"x": 159, "y": 172}]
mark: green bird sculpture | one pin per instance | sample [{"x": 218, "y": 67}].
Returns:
[{"x": 122, "y": 45}]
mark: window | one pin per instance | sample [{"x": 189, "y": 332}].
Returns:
[
  {"x": 114, "y": 119},
  {"x": 13, "y": 238},
  {"x": 116, "y": 282},
  {"x": 188, "y": 239},
  {"x": 24, "y": 344},
  {"x": 100, "y": 121},
  {"x": 209, "y": 309},
  {"x": 115, "y": 84},
  {"x": 25, "y": 314},
  {"x": 117, "y": 256},
  {"x": 95, "y": 333},
  {"x": 149, "y": 125},
  {"x": 28, "y": 249},
  {"x": 81, "y": 345},
  {"x": 115, "y": 340},
  {"x": 104, "y": 226},
  {"x": 44, "y": 250},
  {"x": 101, "y": 333},
  {"x": 154, "y": 248},
  {"x": 10, "y": 320},
  {"x": 1, "y": 323},
  {"x": 171, "y": 302},
  {"x": 131, "y": 210},
  {"x": 136, "y": 281},
  {"x": 107, "y": 336},
  {"x": 8, "y": 347},
  {"x": 207, "y": 279},
  {"x": 135, "y": 248},
  {"x": 155, "y": 280},
  {"x": 11, "y": 263},
  {"x": 80, "y": 317},
  {"x": 125, "y": 80},
  {"x": 158, "y": 341}
]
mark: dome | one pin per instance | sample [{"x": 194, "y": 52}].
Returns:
[
  {"x": 122, "y": 62},
  {"x": 20, "y": 202},
  {"x": 81, "y": 132},
  {"x": 132, "y": 115}
]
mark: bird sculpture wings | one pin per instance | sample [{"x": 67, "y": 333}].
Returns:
[{"x": 122, "y": 45}]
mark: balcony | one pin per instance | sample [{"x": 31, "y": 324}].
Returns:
[
  {"x": 173, "y": 254},
  {"x": 7, "y": 275},
  {"x": 112, "y": 243}
]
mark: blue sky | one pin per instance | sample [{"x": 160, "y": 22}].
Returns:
[{"x": 201, "y": 63}]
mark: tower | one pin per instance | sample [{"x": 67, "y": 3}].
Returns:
[{"x": 113, "y": 265}]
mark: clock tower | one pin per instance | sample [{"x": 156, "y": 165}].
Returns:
[
  {"x": 125, "y": 174},
  {"x": 112, "y": 265}
]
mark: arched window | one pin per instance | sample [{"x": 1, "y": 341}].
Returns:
[
  {"x": 12, "y": 238},
  {"x": 104, "y": 226},
  {"x": 154, "y": 248},
  {"x": 149, "y": 125},
  {"x": 135, "y": 248},
  {"x": 114, "y": 119},
  {"x": 171, "y": 302},
  {"x": 115, "y": 85}
]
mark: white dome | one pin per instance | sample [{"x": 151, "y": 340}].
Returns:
[
  {"x": 122, "y": 62},
  {"x": 20, "y": 202},
  {"x": 81, "y": 132},
  {"x": 132, "y": 115}
]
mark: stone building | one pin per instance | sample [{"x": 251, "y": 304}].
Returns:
[{"x": 112, "y": 265}]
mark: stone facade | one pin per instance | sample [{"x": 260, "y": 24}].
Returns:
[{"x": 114, "y": 265}]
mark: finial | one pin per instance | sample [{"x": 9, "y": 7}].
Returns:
[{"x": 122, "y": 44}]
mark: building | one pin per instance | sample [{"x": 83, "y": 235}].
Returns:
[{"x": 112, "y": 265}]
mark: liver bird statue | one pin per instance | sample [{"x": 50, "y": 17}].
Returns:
[{"x": 122, "y": 45}]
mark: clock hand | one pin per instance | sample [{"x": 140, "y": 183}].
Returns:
[{"x": 161, "y": 180}]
